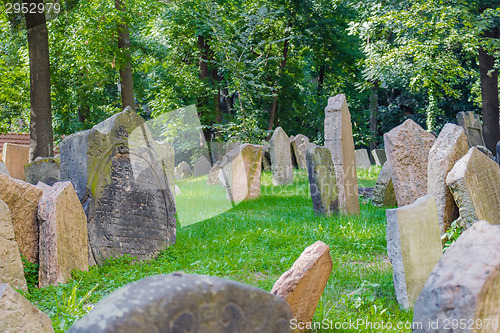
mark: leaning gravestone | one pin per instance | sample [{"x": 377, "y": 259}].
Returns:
[
  {"x": 11, "y": 267},
  {"x": 201, "y": 167},
  {"x": 303, "y": 284},
  {"x": 383, "y": 193},
  {"x": 299, "y": 146},
  {"x": 243, "y": 169},
  {"x": 63, "y": 234},
  {"x": 182, "y": 171},
  {"x": 180, "y": 302},
  {"x": 464, "y": 287},
  {"x": 472, "y": 126},
  {"x": 281, "y": 158},
  {"x": 474, "y": 183},
  {"x": 22, "y": 199},
  {"x": 450, "y": 146},
  {"x": 15, "y": 158},
  {"x": 407, "y": 148},
  {"x": 362, "y": 159},
  {"x": 379, "y": 156},
  {"x": 120, "y": 178},
  {"x": 19, "y": 315},
  {"x": 338, "y": 138},
  {"x": 322, "y": 180},
  {"x": 45, "y": 170},
  {"x": 413, "y": 246}
]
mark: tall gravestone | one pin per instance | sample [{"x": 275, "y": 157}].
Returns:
[
  {"x": 473, "y": 128},
  {"x": 15, "y": 158},
  {"x": 407, "y": 148},
  {"x": 464, "y": 287},
  {"x": 180, "y": 302},
  {"x": 281, "y": 158},
  {"x": 322, "y": 180},
  {"x": 474, "y": 182},
  {"x": 120, "y": 178},
  {"x": 450, "y": 146},
  {"x": 413, "y": 246},
  {"x": 299, "y": 146},
  {"x": 339, "y": 139}
]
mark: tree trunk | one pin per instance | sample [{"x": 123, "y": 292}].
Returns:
[
  {"x": 41, "y": 136},
  {"x": 321, "y": 78},
  {"x": 373, "y": 115},
  {"x": 126, "y": 80},
  {"x": 274, "y": 102}
]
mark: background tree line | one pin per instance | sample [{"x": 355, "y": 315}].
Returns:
[{"x": 250, "y": 66}]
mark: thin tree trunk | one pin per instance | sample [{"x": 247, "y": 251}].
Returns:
[
  {"x": 41, "y": 136},
  {"x": 321, "y": 78},
  {"x": 274, "y": 102},
  {"x": 126, "y": 79},
  {"x": 373, "y": 115}
]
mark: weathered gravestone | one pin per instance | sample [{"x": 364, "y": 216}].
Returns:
[
  {"x": 17, "y": 314},
  {"x": 383, "y": 193},
  {"x": 182, "y": 171},
  {"x": 231, "y": 144},
  {"x": 45, "y": 170},
  {"x": 486, "y": 151},
  {"x": 362, "y": 159},
  {"x": 119, "y": 176},
  {"x": 450, "y": 146},
  {"x": 243, "y": 169},
  {"x": 322, "y": 180},
  {"x": 303, "y": 284},
  {"x": 472, "y": 126},
  {"x": 213, "y": 175},
  {"x": 464, "y": 287},
  {"x": 413, "y": 246},
  {"x": 299, "y": 146},
  {"x": 187, "y": 303},
  {"x": 22, "y": 199},
  {"x": 11, "y": 267},
  {"x": 338, "y": 138},
  {"x": 15, "y": 158},
  {"x": 63, "y": 234},
  {"x": 281, "y": 158},
  {"x": 407, "y": 148},
  {"x": 217, "y": 151},
  {"x": 379, "y": 156},
  {"x": 201, "y": 167},
  {"x": 474, "y": 183}
]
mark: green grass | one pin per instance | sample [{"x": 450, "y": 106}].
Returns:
[{"x": 254, "y": 243}]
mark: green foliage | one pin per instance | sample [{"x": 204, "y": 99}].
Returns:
[
  {"x": 451, "y": 235},
  {"x": 30, "y": 273}
]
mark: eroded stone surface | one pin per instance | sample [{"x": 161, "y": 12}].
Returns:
[
  {"x": 322, "y": 180},
  {"x": 465, "y": 284},
  {"x": 11, "y": 267},
  {"x": 19, "y": 315},
  {"x": 303, "y": 284},
  {"x": 383, "y": 193},
  {"x": 63, "y": 234},
  {"x": 187, "y": 303},
  {"x": 299, "y": 146},
  {"x": 338, "y": 138},
  {"x": 407, "y": 148},
  {"x": 15, "y": 158},
  {"x": 450, "y": 146},
  {"x": 362, "y": 159},
  {"x": 472, "y": 126},
  {"x": 281, "y": 158},
  {"x": 474, "y": 183},
  {"x": 413, "y": 246},
  {"x": 45, "y": 170}
]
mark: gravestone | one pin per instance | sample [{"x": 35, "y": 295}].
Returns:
[
  {"x": 474, "y": 183},
  {"x": 362, "y": 159},
  {"x": 22, "y": 199},
  {"x": 182, "y": 171},
  {"x": 303, "y": 284},
  {"x": 11, "y": 267},
  {"x": 407, "y": 148},
  {"x": 45, "y": 170},
  {"x": 180, "y": 302},
  {"x": 217, "y": 151},
  {"x": 15, "y": 158},
  {"x": 213, "y": 175},
  {"x": 472, "y": 126},
  {"x": 201, "y": 167},
  {"x": 379, "y": 156},
  {"x": 464, "y": 287},
  {"x": 413, "y": 246},
  {"x": 450, "y": 146},
  {"x": 3, "y": 169},
  {"x": 383, "y": 193},
  {"x": 63, "y": 234},
  {"x": 118, "y": 172},
  {"x": 281, "y": 158},
  {"x": 19, "y": 315},
  {"x": 231, "y": 144},
  {"x": 322, "y": 180},
  {"x": 338, "y": 138},
  {"x": 299, "y": 146},
  {"x": 486, "y": 152}
]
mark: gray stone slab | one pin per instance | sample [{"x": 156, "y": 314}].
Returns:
[
  {"x": 322, "y": 180},
  {"x": 379, "y": 156},
  {"x": 383, "y": 192},
  {"x": 472, "y": 126},
  {"x": 362, "y": 159},
  {"x": 45, "y": 170},
  {"x": 281, "y": 158},
  {"x": 201, "y": 167}
]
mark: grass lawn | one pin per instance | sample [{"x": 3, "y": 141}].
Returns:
[{"x": 254, "y": 243}]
